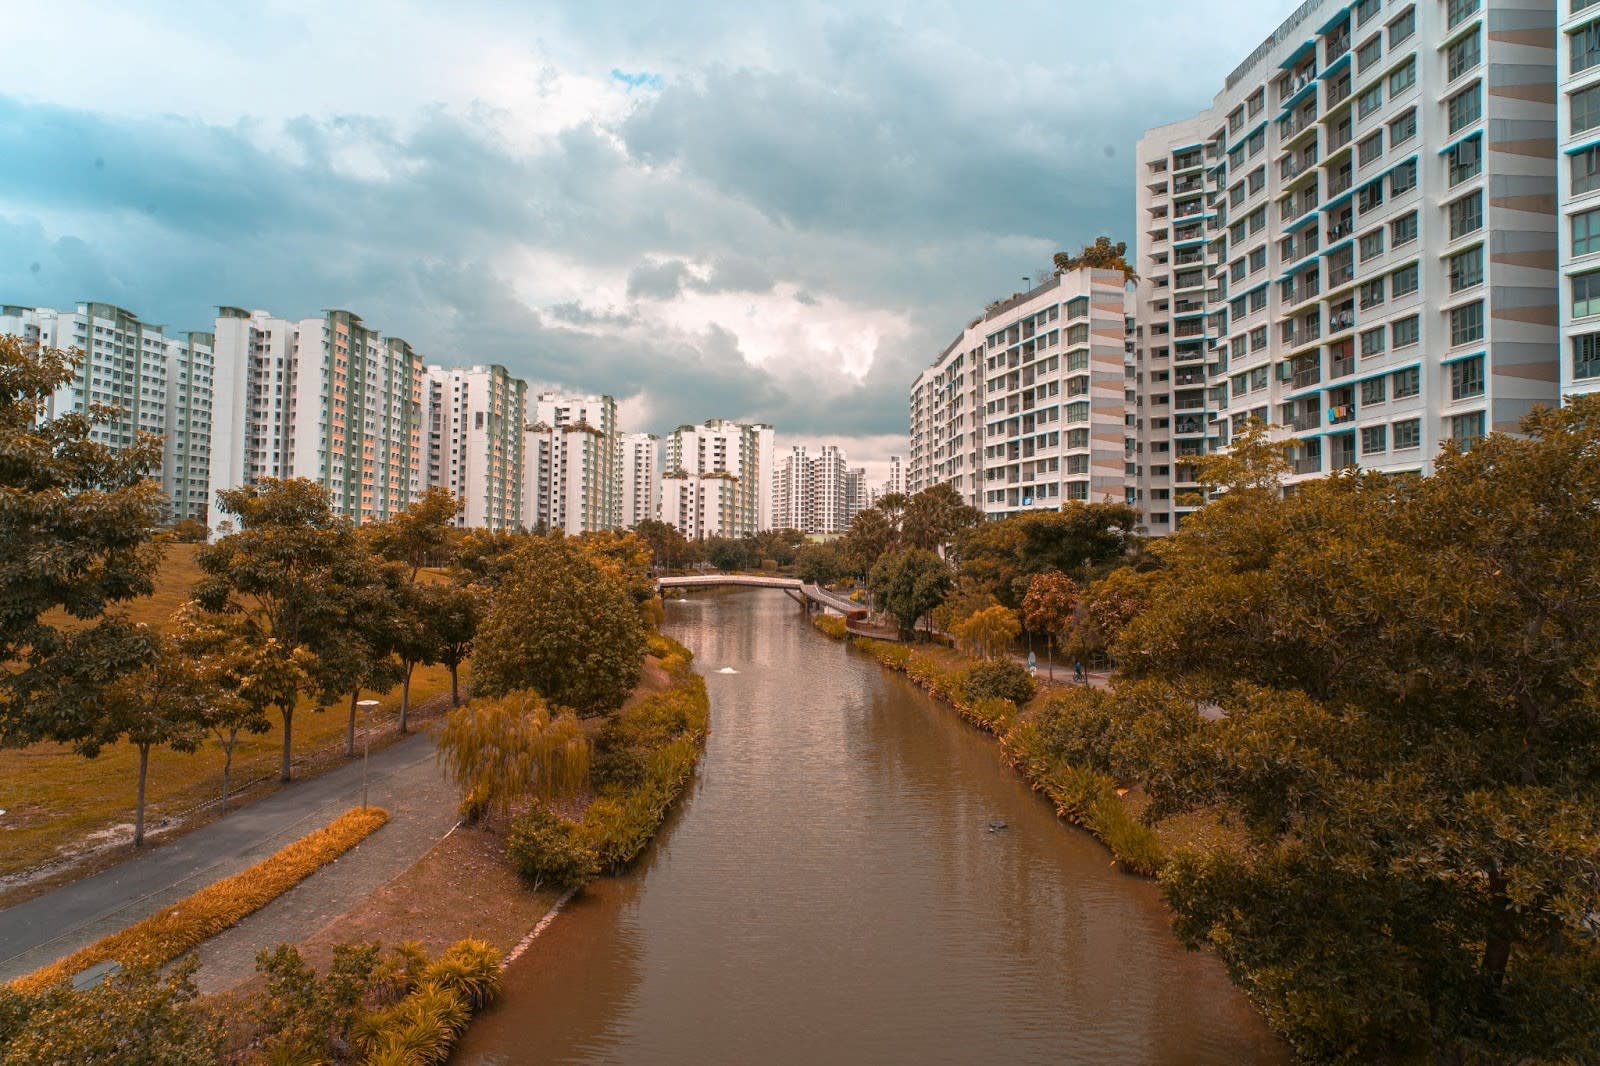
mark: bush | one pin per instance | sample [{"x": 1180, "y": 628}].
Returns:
[
  {"x": 548, "y": 850},
  {"x": 992, "y": 713},
  {"x": 173, "y": 930},
  {"x": 999, "y": 679},
  {"x": 1086, "y": 727},
  {"x": 469, "y": 967},
  {"x": 832, "y": 625}
]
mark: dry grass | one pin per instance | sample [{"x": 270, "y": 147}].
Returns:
[
  {"x": 170, "y": 932},
  {"x": 58, "y": 804}
]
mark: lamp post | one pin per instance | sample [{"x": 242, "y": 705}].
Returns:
[{"x": 366, "y": 745}]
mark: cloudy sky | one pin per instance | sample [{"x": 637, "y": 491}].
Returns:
[{"x": 752, "y": 210}]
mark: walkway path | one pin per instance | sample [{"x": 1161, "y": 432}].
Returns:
[{"x": 404, "y": 779}]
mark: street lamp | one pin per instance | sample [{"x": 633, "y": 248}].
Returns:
[{"x": 366, "y": 746}]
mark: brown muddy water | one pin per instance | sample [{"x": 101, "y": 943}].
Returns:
[{"x": 830, "y": 891}]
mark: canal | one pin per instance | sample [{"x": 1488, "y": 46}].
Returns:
[{"x": 830, "y": 890}]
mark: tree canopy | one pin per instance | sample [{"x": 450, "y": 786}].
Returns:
[
  {"x": 910, "y": 583},
  {"x": 1102, "y": 254}
]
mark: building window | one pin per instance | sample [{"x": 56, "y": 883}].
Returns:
[
  {"x": 1370, "y": 149},
  {"x": 1258, "y": 179},
  {"x": 1586, "y": 294},
  {"x": 1586, "y": 47},
  {"x": 1372, "y": 342},
  {"x": 1466, "y": 269},
  {"x": 1405, "y": 331},
  {"x": 1374, "y": 439},
  {"x": 1585, "y": 111},
  {"x": 1372, "y": 244},
  {"x": 1463, "y": 55},
  {"x": 1403, "y": 178},
  {"x": 1403, "y": 230},
  {"x": 1257, "y": 102},
  {"x": 1236, "y": 270},
  {"x": 1403, "y": 128},
  {"x": 1258, "y": 260},
  {"x": 1586, "y": 232},
  {"x": 1457, "y": 11},
  {"x": 1586, "y": 170},
  {"x": 1372, "y": 293},
  {"x": 1586, "y": 356},
  {"x": 1402, "y": 27},
  {"x": 1370, "y": 196},
  {"x": 1466, "y": 107},
  {"x": 1466, "y": 322},
  {"x": 1369, "y": 53},
  {"x": 1408, "y": 434},
  {"x": 1403, "y": 79},
  {"x": 1258, "y": 338},
  {"x": 1405, "y": 281},
  {"x": 1372, "y": 391},
  {"x": 1466, "y": 161},
  {"x": 1466, "y": 215},
  {"x": 1258, "y": 299},
  {"x": 1407, "y": 383},
  {"x": 1466, "y": 430},
  {"x": 1257, "y": 141},
  {"x": 1369, "y": 101}
]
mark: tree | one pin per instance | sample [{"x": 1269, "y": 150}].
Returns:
[
  {"x": 283, "y": 574},
  {"x": 934, "y": 516},
  {"x": 667, "y": 546},
  {"x": 502, "y": 751},
  {"x": 1407, "y": 671},
  {"x": 1106, "y": 609},
  {"x": 727, "y": 553},
  {"x": 1081, "y": 538},
  {"x": 163, "y": 704},
  {"x": 626, "y": 557},
  {"x": 77, "y": 520},
  {"x": 818, "y": 564},
  {"x": 909, "y": 584},
  {"x": 419, "y": 536},
  {"x": 1049, "y": 607},
  {"x": 453, "y": 612},
  {"x": 966, "y": 598},
  {"x": 563, "y": 626},
  {"x": 779, "y": 545},
  {"x": 870, "y": 537},
  {"x": 989, "y": 632},
  {"x": 1101, "y": 255}
]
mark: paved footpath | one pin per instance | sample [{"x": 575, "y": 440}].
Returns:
[{"x": 403, "y": 779}]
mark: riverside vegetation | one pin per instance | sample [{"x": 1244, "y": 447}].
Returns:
[{"x": 1384, "y": 687}]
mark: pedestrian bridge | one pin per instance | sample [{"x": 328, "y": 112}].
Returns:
[{"x": 794, "y": 587}]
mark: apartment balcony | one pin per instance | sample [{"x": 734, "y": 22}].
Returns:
[
  {"x": 1341, "y": 367},
  {"x": 1338, "y": 91},
  {"x": 1341, "y": 319},
  {"x": 1188, "y": 257},
  {"x": 1340, "y": 181},
  {"x": 1340, "y": 274},
  {"x": 1306, "y": 377},
  {"x": 1313, "y": 465},
  {"x": 1335, "y": 48},
  {"x": 1189, "y": 426},
  {"x": 1187, "y": 185},
  {"x": 1342, "y": 226},
  {"x": 1340, "y": 135},
  {"x": 1339, "y": 414}
]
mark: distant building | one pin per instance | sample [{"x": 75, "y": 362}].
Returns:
[
  {"x": 574, "y": 464},
  {"x": 641, "y": 478},
  {"x": 476, "y": 441},
  {"x": 717, "y": 479},
  {"x": 814, "y": 493}
]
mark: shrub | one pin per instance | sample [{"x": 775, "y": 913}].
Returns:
[
  {"x": 999, "y": 679},
  {"x": 173, "y": 930},
  {"x": 831, "y": 624},
  {"x": 992, "y": 713},
  {"x": 470, "y": 967},
  {"x": 1085, "y": 727},
  {"x": 548, "y": 850}
]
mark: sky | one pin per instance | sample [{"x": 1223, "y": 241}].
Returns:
[{"x": 759, "y": 211}]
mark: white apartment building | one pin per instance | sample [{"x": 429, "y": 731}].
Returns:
[
  {"x": 1025, "y": 409},
  {"x": 641, "y": 478},
  {"x": 162, "y": 385},
  {"x": 1355, "y": 243},
  {"x": 858, "y": 497},
  {"x": 574, "y": 465},
  {"x": 717, "y": 479},
  {"x": 475, "y": 442},
  {"x": 323, "y": 398},
  {"x": 1578, "y": 179},
  {"x": 814, "y": 493}
]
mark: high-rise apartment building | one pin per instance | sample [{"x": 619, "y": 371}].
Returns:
[
  {"x": 1356, "y": 243},
  {"x": 858, "y": 497},
  {"x": 895, "y": 483},
  {"x": 1578, "y": 179},
  {"x": 814, "y": 493},
  {"x": 574, "y": 465},
  {"x": 323, "y": 398},
  {"x": 717, "y": 479},
  {"x": 475, "y": 441},
  {"x": 161, "y": 383},
  {"x": 641, "y": 478},
  {"x": 1025, "y": 409}
]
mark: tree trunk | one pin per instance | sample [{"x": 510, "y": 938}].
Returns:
[
  {"x": 455, "y": 685},
  {"x": 350, "y": 728},
  {"x": 1497, "y": 944},
  {"x": 227, "y": 764},
  {"x": 288, "y": 743},
  {"x": 138, "y": 815},
  {"x": 405, "y": 695}
]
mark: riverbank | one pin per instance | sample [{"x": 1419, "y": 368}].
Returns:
[{"x": 1107, "y": 809}]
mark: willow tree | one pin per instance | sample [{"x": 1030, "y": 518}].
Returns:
[{"x": 500, "y": 752}]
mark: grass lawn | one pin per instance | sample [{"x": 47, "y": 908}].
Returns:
[{"x": 56, "y": 803}]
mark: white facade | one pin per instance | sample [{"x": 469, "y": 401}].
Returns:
[
  {"x": 162, "y": 385},
  {"x": 1355, "y": 243},
  {"x": 574, "y": 465},
  {"x": 475, "y": 441},
  {"x": 1578, "y": 178},
  {"x": 1025, "y": 410},
  {"x": 717, "y": 479},
  {"x": 814, "y": 493},
  {"x": 641, "y": 478}
]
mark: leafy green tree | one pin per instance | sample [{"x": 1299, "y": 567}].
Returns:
[
  {"x": 286, "y": 574},
  {"x": 421, "y": 535},
  {"x": 1407, "y": 668},
  {"x": 561, "y": 625},
  {"x": 909, "y": 584},
  {"x": 452, "y": 612},
  {"x": 935, "y": 516},
  {"x": 870, "y": 537},
  {"x": 727, "y": 553},
  {"x": 988, "y": 633},
  {"x": 1101, "y": 255},
  {"x": 779, "y": 545},
  {"x": 668, "y": 548},
  {"x": 818, "y": 564},
  {"x": 1107, "y": 607},
  {"x": 626, "y": 556},
  {"x": 77, "y": 521},
  {"x": 133, "y": 1019},
  {"x": 1081, "y": 539},
  {"x": 1049, "y": 608}
]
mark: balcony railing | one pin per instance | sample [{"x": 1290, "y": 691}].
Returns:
[
  {"x": 1341, "y": 367},
  {"x": 1338, "y": 275},
  {"x": 1312, "y": 465},
  {"x": 1341, "y": 413},
  {"x": 1308, "y": 376},
  {"x": 1341, "y": 320}
]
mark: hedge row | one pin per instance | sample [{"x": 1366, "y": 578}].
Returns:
[
  {"x": 173, "y": 930},
  {"x": 1082, "y": 795}
]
